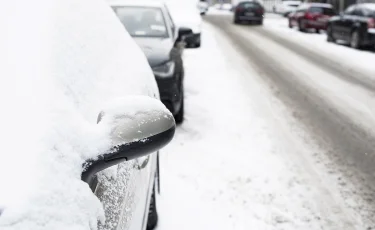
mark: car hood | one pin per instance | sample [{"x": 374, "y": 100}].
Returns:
[{"x": 157, "y": 50}]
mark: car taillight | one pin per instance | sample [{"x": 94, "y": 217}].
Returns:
[
  {"x": 308, "y": 15},
  {"x": 260, "y": 11},
  {"x": 239, "y": 9},
  {"x": 371, "y": 23}
]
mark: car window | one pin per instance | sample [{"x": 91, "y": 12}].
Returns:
[
  {"x": 358, "y": 12},
  {"x": 368, "y": 12},
  {"x": 142, "y": 21},
  {"x": 350, "y": 10},
  {"x": 173, "y": 27},
  {"x": 322, "y": 10},
  {"x": 248, "y": 5}
]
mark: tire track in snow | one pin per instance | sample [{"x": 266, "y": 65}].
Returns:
[{"x": 347, "y": 143}]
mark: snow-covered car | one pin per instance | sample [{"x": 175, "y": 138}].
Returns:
[
  {"x": 227, "y": 6},
  {"x": 286, "y": 7},
  {"x": 82, "y": 121},
  {"x": 186, "y": 15},
  {"x": 203, "y": 6},
  {"x": 151, "y": 26}
]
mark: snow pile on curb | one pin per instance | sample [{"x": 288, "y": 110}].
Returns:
[{"x": 63, "y": 61}]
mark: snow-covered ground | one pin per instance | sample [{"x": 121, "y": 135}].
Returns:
[
  {"x": 342, "y": 54},
  {"x": 234, "y": 164}
]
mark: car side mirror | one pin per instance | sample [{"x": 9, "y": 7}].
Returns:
[
  {"x": 183, "y": 32},
  {"x": 138, "y": 126}
]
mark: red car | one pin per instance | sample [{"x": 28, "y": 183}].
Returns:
[{"x": 311, "y": 16}]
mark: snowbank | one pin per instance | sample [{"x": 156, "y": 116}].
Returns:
[{"x": 63, "y": 61}]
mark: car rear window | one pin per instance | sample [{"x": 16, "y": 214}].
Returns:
[
  {"x": 248, "y": 5},
  {"x": 369, "y": 12},
  {"x": 322, "y": 10},
  {"x": 293, "y": 5}
]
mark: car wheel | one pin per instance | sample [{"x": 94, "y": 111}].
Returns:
[
  {"x": 330, "y": 37},
  {"x": 355, "y": 40},
  {"x": 236, "y": 20},
  {"x": 179, "y": 117},
  {"x": 260, "y": 23},
  {"x": 317, "y": 31},
  {"x": 152, "y": 220},
  {"x": 301, "y": 26}
]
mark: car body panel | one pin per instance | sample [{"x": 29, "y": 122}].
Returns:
[
  {"x": 355, "y": 18},
  {"x": 93, "y": 65},
  {"x": 312, "y": 16}
]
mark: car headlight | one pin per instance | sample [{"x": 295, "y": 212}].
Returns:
[{"x": 165, "y": 70}]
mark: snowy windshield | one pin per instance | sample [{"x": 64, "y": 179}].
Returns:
[{"x": 142, "y": 21}]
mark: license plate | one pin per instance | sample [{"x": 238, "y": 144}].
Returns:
[{"x": 249, "y": 14}]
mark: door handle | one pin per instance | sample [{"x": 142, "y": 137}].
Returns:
[{"x": 143, "y": 164}]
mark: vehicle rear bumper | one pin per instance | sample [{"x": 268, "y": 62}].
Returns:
[
  {"x": 250, "y": 18},
  {"x": 170, "y": 93},
  {"x": 316, "y": 25}
]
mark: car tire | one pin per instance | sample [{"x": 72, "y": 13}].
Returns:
[
  {"x": 260, "y": 23},
  {"x": 236, "y": 21},
  {"x": 355, "y": 40},
  {"x": 153, "y": 217},
  {"x": 330, "y": 37},
  {"x": 179, "y": 117},
  {"x": 301, "y": 26},
  {"x": 317, "y": 31}
]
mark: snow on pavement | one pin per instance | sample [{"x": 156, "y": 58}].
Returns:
[{"x": 232, "y": 165}]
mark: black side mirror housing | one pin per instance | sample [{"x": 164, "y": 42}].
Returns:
[
  {"x": 140, "y": 131},
  {"x": 183, "y": 32}
]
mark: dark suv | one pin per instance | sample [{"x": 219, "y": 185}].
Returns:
[
  {"x": 355, "y": 26},
  {"x": 248, "y": 11}
]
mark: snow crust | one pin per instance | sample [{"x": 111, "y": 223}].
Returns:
[{"x": 63, "y": 61}]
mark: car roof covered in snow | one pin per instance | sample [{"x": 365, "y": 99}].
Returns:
[
  {"x": 139, "y": 3},
  {"x": 315, "y": 4},
  {"x": 368, "y": 5}
]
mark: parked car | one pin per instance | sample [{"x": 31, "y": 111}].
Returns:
[
  {"x": 187, "y": 16},
  {"x": 152, "y": 27},
  {"x": 355, "y": 26},
  {"x": 203, "y": 6},
  {"x": 85, "y": 155},
  {"x": 248, "y": 11},
  {"x": 311, "y": 16},
  {"x": 227, "y": 6},
  {"x": 286, "y": 7}
]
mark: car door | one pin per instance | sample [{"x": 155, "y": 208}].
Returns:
[
  {"x": 124, "y": 191},
  {"x": 348, "y": 22}
]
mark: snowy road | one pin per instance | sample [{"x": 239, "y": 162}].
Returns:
[{"x": 279, "y": 134}]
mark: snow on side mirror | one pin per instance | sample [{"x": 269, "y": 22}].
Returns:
[{"x": 139, "y": 126}]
